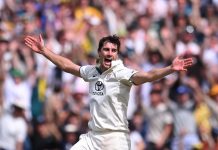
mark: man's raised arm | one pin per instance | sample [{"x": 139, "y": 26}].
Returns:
[
  {"x": 37, "y": 45},
  {"x": 177, "y": 65}
]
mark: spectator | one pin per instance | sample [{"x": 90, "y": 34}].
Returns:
[
  {"x": 141, "y": 25},
  {"x": 71, "y": 136},
  {"x": 211, "y": 101},
  {"x": 159, "y": 123},
  {"x": 185, "y": 128},
  {"x": 46, "y": 135},
  {"x": 16, "y": 86},
  {"x": 13, "y": 126},
  {"x": 137, "y": 141},
  {"x": 203, "y": 114}
]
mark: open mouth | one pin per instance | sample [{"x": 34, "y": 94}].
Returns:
[{"x": 108, "y": 61}]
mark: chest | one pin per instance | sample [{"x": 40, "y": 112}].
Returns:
[
  {"x": 104, "y": 85},
  {"x": 9, "y": 127}
]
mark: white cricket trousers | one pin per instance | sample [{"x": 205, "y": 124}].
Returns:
[{"x": 109, "y": 140}]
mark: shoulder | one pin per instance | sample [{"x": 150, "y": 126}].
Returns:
[
  {"x": 125, "y": 73},
  {"x": 87, "y": 71},
  {"x": 87, "y": 68}
]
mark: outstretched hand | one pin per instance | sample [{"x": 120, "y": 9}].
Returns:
[
  {"x": 181, "y": 64},
  {"x": 36, "y": 44}
]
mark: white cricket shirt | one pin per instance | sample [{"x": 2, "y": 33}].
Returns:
[
  {"x": 12, "y": 130},
  {"x": 109, "y": 94}
]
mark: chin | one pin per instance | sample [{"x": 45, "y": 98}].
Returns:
[{"x": 106, "y": 67}]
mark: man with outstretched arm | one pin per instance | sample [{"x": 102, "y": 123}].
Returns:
[{"x": 109, "y": 83}]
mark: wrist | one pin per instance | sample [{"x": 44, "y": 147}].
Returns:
[
  {"x": 43, "y": 50},
  {"x": 171, "y": 68}
]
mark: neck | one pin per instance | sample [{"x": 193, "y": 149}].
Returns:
[
  {"x": 102, "y": 69},
  {"x": 99, "y": 69}
]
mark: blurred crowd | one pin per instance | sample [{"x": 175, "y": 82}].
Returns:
[{"x": 42, "y": 107}]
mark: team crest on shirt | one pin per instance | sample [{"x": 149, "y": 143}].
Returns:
[{"x": 99, "y": 86}]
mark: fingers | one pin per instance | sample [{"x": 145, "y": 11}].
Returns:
[
  {"x": 30, "y": 38},
  {"x": 29, "y": 41},
  {"x": 28, "y": 44},
  {"x": 32, "y": 43},
  {"x": 188, "y": 65},
  {"x": 188, "y": 59},
  {"x": 41, "y": 39},
  {"x": 181, "y": 57},
  {"x": 188, "y": 62}
]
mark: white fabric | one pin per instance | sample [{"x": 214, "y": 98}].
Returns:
[
  {"x": 135, "y": 138},
  {"x": 103, "y": 141},
  {"x": 2, "y": 4},
  {"x": 14, "y": 92},
  {"x": 210, "y": 57},
  {"x": 160, "y": 9},
  {"x": 109, "y": 94},
  {"x": 111, "y": 20},
  {"x": 191, "y": 47},
  {"x": 12, "y": 130}
]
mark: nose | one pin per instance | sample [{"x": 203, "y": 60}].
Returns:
[{"x": 110, "y": 53}]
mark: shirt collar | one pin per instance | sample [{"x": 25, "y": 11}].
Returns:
[{"x": 114, "y": 64}]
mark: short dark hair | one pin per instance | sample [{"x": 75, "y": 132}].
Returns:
[{"x": 112, "y": 39}]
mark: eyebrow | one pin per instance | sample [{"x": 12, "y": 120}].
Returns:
[{"x": 105, "y": 48}]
